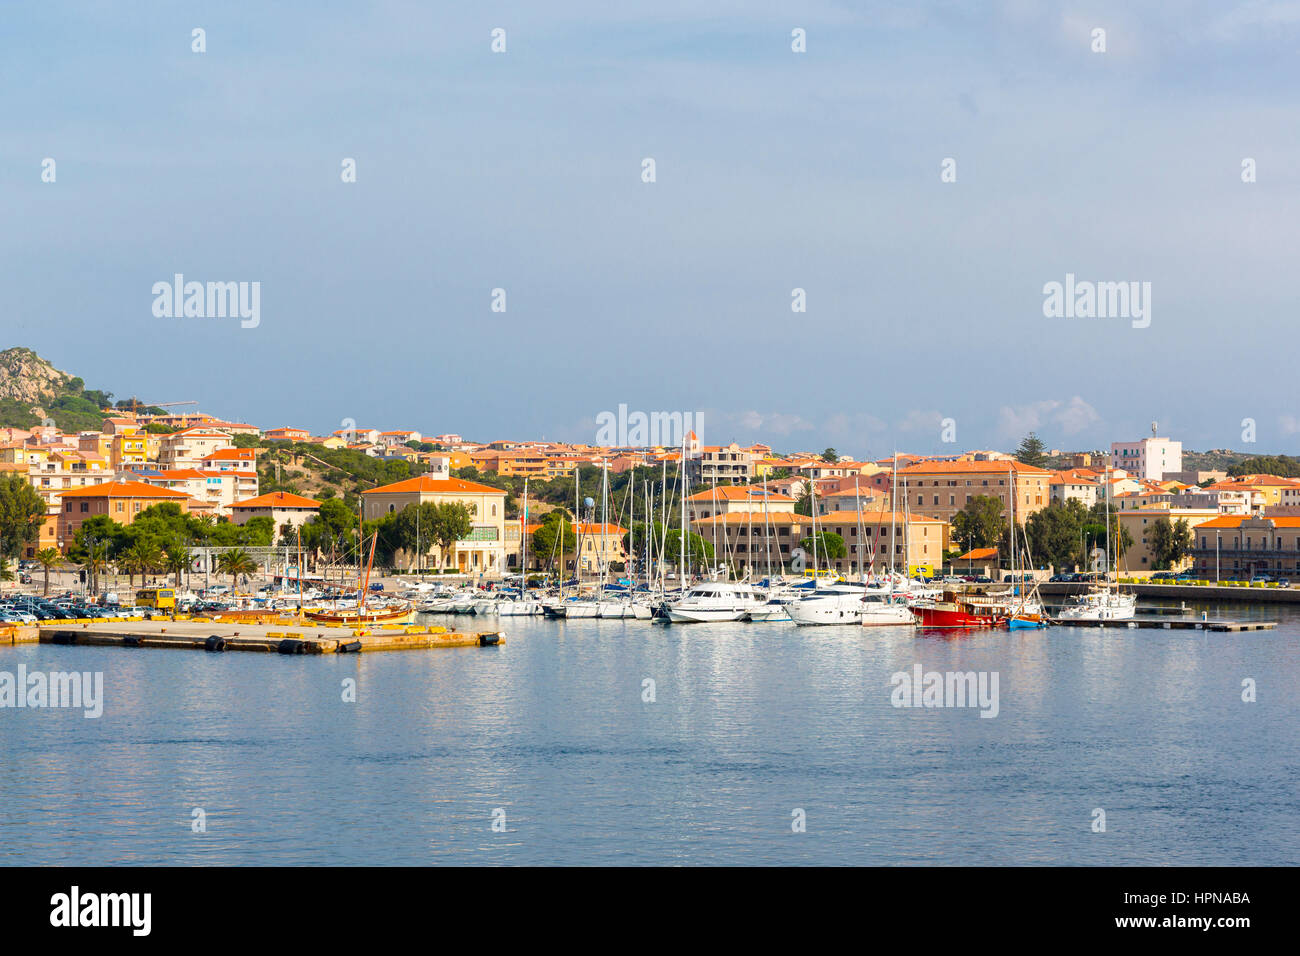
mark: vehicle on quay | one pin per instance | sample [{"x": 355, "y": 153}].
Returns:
[{"x": 158, "y": 598}]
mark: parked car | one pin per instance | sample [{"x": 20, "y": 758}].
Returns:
[{"x": 1260, "y": 579}]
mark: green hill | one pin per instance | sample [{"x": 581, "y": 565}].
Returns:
[{"x": 32, "y": 390}]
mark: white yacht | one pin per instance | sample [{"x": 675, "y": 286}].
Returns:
[
  {"x": 834, "y": 604},
  {"x": 1099, "y": 604},
  {"x": 713, "y": 601}
]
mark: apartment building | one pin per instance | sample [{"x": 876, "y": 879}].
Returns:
[
  {"x": 187, "y": 449},
  {"x": 940, "y": 489},
  {"x": 733, "y": 499},
  {"x": 721, "y": 463},
  {"x": 875, "y": 541},
  {"x": 120, "y": 500},
  {"x": 1151, "y": 458},
  {"x": 282, "y": 507}
]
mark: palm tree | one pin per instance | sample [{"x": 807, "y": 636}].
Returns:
[
  {"x": 177, "y": 560},
  {"x": 95, "y": 562},
  {"x": 235, "y": 563},
  {"x": 143, "y": 557},
  {"x": 47, "y": 558}
]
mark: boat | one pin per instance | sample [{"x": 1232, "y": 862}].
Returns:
[
  {"x": 1105, "y": 602},
  {"x": 388, "y": 613},
  {"x": 881, "y": 609},
  {"x": 965, "y": 609},
  {"x": 397, "y": 615},
  {"x": 1099, "y": 604},
  {"x": 714, "y": 601}
]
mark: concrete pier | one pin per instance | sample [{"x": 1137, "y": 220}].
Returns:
[{"x": 298, "y": 638}]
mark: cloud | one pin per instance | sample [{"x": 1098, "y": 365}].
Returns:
[{"x": 1069, "y": 417}]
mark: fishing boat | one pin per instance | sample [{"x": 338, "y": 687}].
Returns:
[{"x": 965, "y": 609}]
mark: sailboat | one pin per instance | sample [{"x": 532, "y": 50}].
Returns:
[
  {"x": 1106, "y": 602},
  {"x": 397, "y": 614}
]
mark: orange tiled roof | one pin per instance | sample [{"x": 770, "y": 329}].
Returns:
[
  {"x": 435, "y": 486},
  {"x": 277, "y": 499}
]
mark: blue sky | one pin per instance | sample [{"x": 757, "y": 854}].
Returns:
[{"x": 775, "y": 170}]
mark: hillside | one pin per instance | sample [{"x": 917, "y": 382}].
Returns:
[{"x": 32, "y": 390}]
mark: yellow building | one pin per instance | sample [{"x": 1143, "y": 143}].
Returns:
[{"x": 483, "y": 551}]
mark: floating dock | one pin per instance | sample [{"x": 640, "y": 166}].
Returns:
[
  {"x": 295, "y": 638},
  {"x": 1182, "y": 624}
]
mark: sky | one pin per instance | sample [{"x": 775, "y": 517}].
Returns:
[{"x": 774, "y": 171}]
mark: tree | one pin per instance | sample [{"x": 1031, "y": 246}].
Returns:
[
  {"x": 830, "y": 456},
  {"x": 829, "y": 545},
  {"x": 177, "y": 559},
  {"x": 452, "y": 522},
  {"x": 980, "y": 523},
  {"x": 48, "y": 558},
  {"x": 1032, "y": 451},
  {"x": 143, "y": 557},
  {"x": 22, "y": 512},
  {"x": 555, "y": 537},
  {"x": 414, "y": 526},
  {"x": 235, "y": 563},
  {"x": 803, "y": 504},
  {"x": 1170, "y": 542},
  {"x": 1054, "y": 533},
  {"x": 699, "y": 552}
]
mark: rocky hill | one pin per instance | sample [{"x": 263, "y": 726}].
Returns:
[{"x": 32, "y": 390}]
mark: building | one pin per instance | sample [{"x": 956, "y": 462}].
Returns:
[
  {"x": 1241, "y": 546},
  {"x": 1265, "y": 491},
  {"x": 1141, "y": 555},
  {"x": 1075, "y": 485},
  {"x": 1151, "y": 458},
  {"x": 943, "y": 488},
  {"x": 188, "y": 448},
  {"x": 722, "y": 463},
  {"x": 523, "y": 464},
  {"x": 483, "y": 552},
  {"x": 282, "y": 507},
  {"x": 875, "y": 541},
  {"x": 731, "y": 499},
  {"x": 120, "y": 500},
  {"x": 286, "y": 434}
]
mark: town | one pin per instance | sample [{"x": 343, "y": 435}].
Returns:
[{"x": 274, "y": 494}]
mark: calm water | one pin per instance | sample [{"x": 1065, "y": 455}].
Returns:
[{"x": 750, "y": 723}]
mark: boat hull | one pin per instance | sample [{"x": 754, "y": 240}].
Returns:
[{"x": 953, "y": 616}]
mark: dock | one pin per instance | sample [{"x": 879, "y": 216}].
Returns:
[
  {"x": 1181, "y": 624},
  {"x": 221, "y": 637}
]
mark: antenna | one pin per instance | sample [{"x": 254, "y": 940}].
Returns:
[{"x": 1153, "y": 429}]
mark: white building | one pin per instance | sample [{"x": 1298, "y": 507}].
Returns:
[{"x": 1149, "y": 458}]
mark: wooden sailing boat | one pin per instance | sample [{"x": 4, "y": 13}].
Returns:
[{"x": 403, "y": 614}]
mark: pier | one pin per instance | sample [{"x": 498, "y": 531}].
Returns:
[
  {"x": 1180, "y": 624},
  {"x": 221, "y": 637}
]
